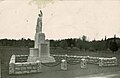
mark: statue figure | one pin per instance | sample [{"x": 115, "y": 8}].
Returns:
[{"x": 39, "y": 22}]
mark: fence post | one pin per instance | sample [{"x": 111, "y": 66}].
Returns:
[
  {"x": 11, "y": 64},
  {"x": 63, "y": 64},
  {"x": 101, "y": 62},
  {"x": 39, "y": 66},
  {"x": 11, "y": 68},
  {"x": 115, "y": 60},
  {"x": 83, "y": 63}
]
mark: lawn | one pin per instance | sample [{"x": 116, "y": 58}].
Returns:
[{"x": 55, "y": 72}]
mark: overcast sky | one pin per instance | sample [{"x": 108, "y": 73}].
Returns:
[{"x": 61, "y": 19}]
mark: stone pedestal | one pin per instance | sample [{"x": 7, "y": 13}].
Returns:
[
  {"x": 34, "y": 52},
  {"x": 41, "y": 50},
  {"x": 39, "y": 38}
]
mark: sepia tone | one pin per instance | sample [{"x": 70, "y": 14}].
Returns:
[{"x": 59, "y": 39}]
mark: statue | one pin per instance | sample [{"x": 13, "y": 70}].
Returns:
[
  {"x": 41, "y": 50},
  {"x": 39, "y": 22}
]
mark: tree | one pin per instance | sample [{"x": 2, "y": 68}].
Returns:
[
  {"x": 84, "y": 38},
  {"x": 113, "y": 46},
  {"x": 70, "y": 42},
  {"x": 98, "y": 45},
  {"x": 79, "y": 43},
  {"x": 63, "y": 44}
]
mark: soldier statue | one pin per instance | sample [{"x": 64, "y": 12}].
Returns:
[{"x": 39, "y": 22}]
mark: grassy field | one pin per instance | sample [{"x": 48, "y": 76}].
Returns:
[
  {"x": 0, "y": 65},
  {"x": 55, "y": 72}
]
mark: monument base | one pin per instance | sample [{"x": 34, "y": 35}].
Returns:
[
  {"x": 43, "y": 59},
  {"x": 46, "y": 59},
  {"x": 32, "y": 59}
]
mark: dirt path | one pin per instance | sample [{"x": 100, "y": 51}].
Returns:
[{"x": 103, "y": 75}]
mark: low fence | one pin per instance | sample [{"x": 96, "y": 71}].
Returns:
[
  {"x": 19, "y": 65},
  {"x": 101, "y": 61},
  {"x": 93, "y": 60},
  {"x": 108, "y": 61},
  {"x": 21, "y": 58},
  {"x": 70, "y": 59}
]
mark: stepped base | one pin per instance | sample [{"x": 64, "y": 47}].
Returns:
[{"x": 43, "y": 59}]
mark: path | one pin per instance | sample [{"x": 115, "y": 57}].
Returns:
[{"x": 103, "y": 75}]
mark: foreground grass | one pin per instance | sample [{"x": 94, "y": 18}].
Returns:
[{"x": 55, "y": 72}]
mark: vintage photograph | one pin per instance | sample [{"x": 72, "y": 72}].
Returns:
[{"x": 59, "y": 38}]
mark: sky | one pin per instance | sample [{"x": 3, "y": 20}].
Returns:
[{"x": 61, "y": 18}]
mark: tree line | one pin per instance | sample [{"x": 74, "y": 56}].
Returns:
[
  {"x": 83, "y": 44},
  {"x": 70, "y": 43},
  {"x": 17, "y": 43}
]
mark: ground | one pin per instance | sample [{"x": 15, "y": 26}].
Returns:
[{"x": 74, "y": 71}]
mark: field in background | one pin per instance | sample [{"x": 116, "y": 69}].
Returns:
[
  {"x": 55, "y": 72},
  {"x": 0, "y": 65}
]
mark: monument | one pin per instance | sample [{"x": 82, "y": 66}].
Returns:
[{"x": 41, "y": 50}]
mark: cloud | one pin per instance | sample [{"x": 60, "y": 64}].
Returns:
[{"x": 41, "y": 3}]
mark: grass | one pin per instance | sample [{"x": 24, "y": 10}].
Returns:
[{"x": 55, "y": 72}]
